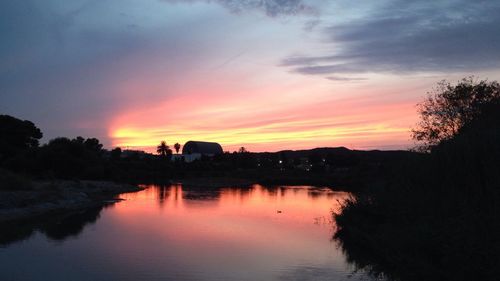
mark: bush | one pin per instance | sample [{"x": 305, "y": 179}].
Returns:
[
  {"x": 436, "y": 218},
  {"x": 10, "y": 181}
]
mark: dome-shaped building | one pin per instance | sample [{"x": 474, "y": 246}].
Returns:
[{"x": 202, "y": 147}]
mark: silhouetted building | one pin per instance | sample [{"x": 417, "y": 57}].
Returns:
[
  {"x": 129, "y": 153},
  {"x": 202, "y": 147},
  {"x": 193, "y": 150}
]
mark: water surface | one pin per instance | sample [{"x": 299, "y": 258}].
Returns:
[{"x": 176, "y": 233}]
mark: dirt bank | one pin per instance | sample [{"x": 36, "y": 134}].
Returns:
[{"x": 58, "y": 196}]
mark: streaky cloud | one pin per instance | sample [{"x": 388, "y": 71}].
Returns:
[
  {"x": 456, "y": 36},
  {"x": 346, "y": 79},
  {"x": 272, "y": 8}
]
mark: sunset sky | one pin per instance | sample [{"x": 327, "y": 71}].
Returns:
[{"x": 264, "y": 74}]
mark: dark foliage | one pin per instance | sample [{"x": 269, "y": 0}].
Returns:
[
  {"x": 450, "y": 108},
  {"x": 12, "y": 181},
  {"x": 437, "y": 217},
  {"x": 164, "y": 150},
  {"x": 177, "y": 147},
  {"x": 17, "y": 136}
]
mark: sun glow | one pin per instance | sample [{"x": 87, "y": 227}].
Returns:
[
  {"x": 263, "y": 130},
  {"x": 262, "y": 109}
]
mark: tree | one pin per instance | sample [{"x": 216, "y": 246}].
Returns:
[
  {"x": 116, "y": 153},
  {"x": 242, "y": 150},
  {"x": 93, "y": 144},
  {"x": 177, "y": 147},
  {"x": 70, "y": 158},
  {"x": 163, "y": 149},
  {"x": 449, "y": 108},
  {"x": 17, "y": 135}
]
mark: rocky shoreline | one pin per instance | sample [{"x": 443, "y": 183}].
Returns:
[{"x": 58, "y": 196}]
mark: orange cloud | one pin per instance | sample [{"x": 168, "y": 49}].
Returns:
[{"x": 266, "y": 124}]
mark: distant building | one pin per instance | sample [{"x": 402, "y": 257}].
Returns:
[
  {"x": 129, "y": 153},
  {"x": 193, "y": 150},
  {"x": 302, "y": 163},
  {"x": 178, "y": 157}
]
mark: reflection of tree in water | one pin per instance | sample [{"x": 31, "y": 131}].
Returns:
[
  {"x": 10, "y": 232},
  {"x": 201, "y": 193},
  {"x": 70, "y": 226},
  {"x": 163, "y": 193},
  {"x": 55, "y": 227},
  {"x": 361, "y": 258},
  {"x": 461, "y": 250},
  {"x": 274, "y": 190},
  {"x": 315, "y": 193},
  {"x": 177, "y": 193}
]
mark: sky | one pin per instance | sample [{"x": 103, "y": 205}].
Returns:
[{"x": 268, "y": 75}]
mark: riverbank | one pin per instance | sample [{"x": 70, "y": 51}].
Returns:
[{"x": 58, "y": 196}]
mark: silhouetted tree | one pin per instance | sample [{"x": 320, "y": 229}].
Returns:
[
  {"x": 163, "y": 149},
  {"x": 116, "y": 153},
  {"x": 17, "y": 135},
  {"x": 242, "y": 150},
  {"x": 451, "y": 107},
  {"x": 79, "y": 140},
  {"x": 177, "y": 147},
  {"x": 458, "y": 221},
  {"x": 71, "y": 158},
  {"x": 93, "y": 144}
]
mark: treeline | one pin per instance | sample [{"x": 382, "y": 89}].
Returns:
[
  {"x": 22, "y": 158},
  {"x": 438, "y": 217},
  {"x": 86, "y": 159}
]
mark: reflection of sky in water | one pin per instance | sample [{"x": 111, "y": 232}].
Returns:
[{"x": 175, "y": 233}]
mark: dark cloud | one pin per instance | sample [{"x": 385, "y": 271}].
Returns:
[
  {"x": 403, "y": 37},
  {"x": 271, "y": 8},
  {"x": 312, "y": 24}
]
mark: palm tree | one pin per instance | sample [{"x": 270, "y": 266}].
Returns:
[
  {"x": 177, "y": 147},
  {"x": 163, "y": 149}
]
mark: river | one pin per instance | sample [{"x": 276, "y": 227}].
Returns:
[{"x": 180, "y": 233}]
